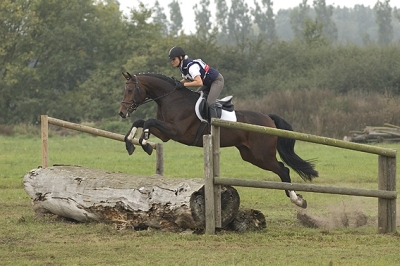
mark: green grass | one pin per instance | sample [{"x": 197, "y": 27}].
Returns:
[{"x": 26, "y": 239}]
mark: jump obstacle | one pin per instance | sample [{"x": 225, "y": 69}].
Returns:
[
  {"x": 46, "y": 120},
  {"x": 386, "y": 192}
]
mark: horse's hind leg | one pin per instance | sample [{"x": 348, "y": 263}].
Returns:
[
  {"x": 294, "y": 198},
  {"x": 269, "y": 162}
]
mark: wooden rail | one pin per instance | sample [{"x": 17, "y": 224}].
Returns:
[
  {"x": 306, "y": 137},
  {"x": 45, "y": 121},
  {"x": 386, "y": 192}
]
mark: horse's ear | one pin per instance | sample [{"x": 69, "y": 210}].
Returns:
[{"x": 127, "y": 76}]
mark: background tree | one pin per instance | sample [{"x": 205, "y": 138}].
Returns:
[
  {"x": 365, "y": 24},
  {"x": 17, "y": 64},
  {"x": 324, "y": 15},
  {"x": 175, "y": 18},
  {"x": 160, "y": 18},
  {"x": 396, "y": 13},
  {"x": 265, "y": 19},
  {"x": 203, "y": 18},
  {"x": 239, "y": 23},
  {"x": 221, "y": 20},
  {"x": 313, "y": 32},
  {"x": 298, "y": 17},
  {"x": 383, "y": 18}
]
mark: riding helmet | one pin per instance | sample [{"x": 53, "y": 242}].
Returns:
[{"x": 175, "y": 52}]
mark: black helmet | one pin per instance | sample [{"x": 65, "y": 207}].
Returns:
[{"x": 175, "y": 52}]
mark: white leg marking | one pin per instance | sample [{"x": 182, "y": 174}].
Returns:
[
  {"x": 293, "y": 196},
  {"x": 146, "y": 134},
  {"x": 132, "y": 134},
  {"x": 296, "y": 199}
]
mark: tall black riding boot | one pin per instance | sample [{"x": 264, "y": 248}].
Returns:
[{"x": 212, "y": 110}]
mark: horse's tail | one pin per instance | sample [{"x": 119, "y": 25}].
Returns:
[{"x": 286, "y": 151}]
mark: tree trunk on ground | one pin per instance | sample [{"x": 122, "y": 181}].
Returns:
[{"x": 141, "y": 202}]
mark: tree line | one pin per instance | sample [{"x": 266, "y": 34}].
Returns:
[{"x": 64, "y": 58}]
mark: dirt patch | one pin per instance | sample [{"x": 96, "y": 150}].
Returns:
[
  {"x": 333, "y": 220},
  {"x": 351, "y": 214},
  {"x": 346, "y": 215}
]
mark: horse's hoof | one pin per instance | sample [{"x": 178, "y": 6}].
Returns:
[
  {"x": 129, "y": 147},
  {"x": 304, "y": 205},
  {"x": 148, "y": 148},
  {"x": 298, "y": 200}
]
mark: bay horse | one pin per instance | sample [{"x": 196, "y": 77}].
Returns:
[{"x": 176, "y": 120}]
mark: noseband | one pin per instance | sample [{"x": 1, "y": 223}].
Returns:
[{"x": 134, "y": 105}]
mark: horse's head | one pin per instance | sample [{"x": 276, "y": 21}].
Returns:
[{"x": 133, "y": 95}]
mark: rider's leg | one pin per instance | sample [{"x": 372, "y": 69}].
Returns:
[{"x": 215, "y": 90}]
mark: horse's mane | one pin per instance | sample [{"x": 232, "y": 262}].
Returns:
[{"x": 160, "y": 76}]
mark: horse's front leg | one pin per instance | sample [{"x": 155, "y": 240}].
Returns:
[
  {"x": 131, "y": 134},
  {"x": 159, "y": 129}
]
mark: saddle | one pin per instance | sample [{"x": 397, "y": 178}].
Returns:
[
  {"x": 225, "y": 110},
  {"x": 201, "y": 107}
]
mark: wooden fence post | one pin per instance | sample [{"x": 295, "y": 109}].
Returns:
[
  {"x": 387, "y": 207},
  {"x": 209, "y": 186},
  {"x": 215, "y": 133},
  {"x": 45, "y": 140},
  {"x": 159, "y": 159}
]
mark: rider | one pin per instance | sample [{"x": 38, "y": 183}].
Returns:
[{"x": 196, "y": 73}]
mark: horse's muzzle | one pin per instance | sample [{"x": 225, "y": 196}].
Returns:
[{"x": 124, "y": 114}]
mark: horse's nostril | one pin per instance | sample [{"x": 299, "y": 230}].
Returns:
[{"x": 121, "y": 114}]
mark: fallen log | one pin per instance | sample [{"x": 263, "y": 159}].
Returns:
[
  {"x": 387, "y": 133},
  {"x": 139, "y": 202}
]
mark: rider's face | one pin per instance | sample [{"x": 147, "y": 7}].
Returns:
[{"x": 175, "y": 61}]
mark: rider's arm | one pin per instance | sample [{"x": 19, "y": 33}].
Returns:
[
  {"x": 194, "y": 71},
  {"x": 197, "y": 82}
]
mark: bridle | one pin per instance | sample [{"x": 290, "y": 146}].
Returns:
[{"x": 134, "y": 104}]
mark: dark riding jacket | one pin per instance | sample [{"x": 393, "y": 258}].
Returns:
[{"x": 207, "y": 73}]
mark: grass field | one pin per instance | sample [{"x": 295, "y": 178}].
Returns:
[{"x": 29, "y": 240}]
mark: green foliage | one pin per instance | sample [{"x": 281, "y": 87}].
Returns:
[
  {"x": 384, "y": 21},
  {"x": 160, "y": 18},
  {"x": 265, "y": 20},
  {"x": 202, "y": 18},
  {"x": 65, "y": 58},
  {"x": 313, "y": 32},
  {"x": 325, "y": 113},
  {"x": 239, "y": 23},
  {"x": 298, "y": 17},
  {"x": 175, "y": 17},
  {"x": 324, "y": 16},
  {"x": 120, "y": 127},
  {"x": 221, "y": 18}
]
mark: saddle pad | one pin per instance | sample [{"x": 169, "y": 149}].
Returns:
[{"x": 225, "y": 115}]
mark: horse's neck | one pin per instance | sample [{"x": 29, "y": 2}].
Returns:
[{"x": 158, "y": 89}]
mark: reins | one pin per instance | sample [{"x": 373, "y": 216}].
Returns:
[{"x": 134, "y": 105}]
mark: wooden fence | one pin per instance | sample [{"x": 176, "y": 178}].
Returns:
[
  {"x": 45, "y": 121},
  {"x": 386, "y": 192}
]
